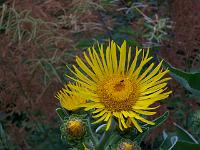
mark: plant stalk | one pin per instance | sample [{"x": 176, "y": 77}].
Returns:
[{"x": 106, "y": 135}]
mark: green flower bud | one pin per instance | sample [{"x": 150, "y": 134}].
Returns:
[
  {"x": 127, "y": 144},
  {"x": 75, "y": 128}
]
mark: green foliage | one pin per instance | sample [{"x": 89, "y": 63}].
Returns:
[
  {"x": 158, "y": 121},
  {"x": 61, "y": 113},
  {"x": 49, "y": 136},
  {"x": 185, "y": 146},
  {"x": 178, "y": 139},
  {"x": 18, "y": 24},
  {"x": 5, "y": 141},
  {"x": 100, "y": 139},
  {"x": 193, "y": 123},
  {"x": 191, "y": 81}
]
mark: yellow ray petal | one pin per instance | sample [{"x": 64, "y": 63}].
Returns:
[
  {"x": 99, "y": 114},
  {"x": 122, "y": 59},
  {"x": 142, "y": 63},
  {"x": 123, "y": 121},
  {"x": 86, "y": 69},
  {"x": 140, "y": 118},
  {"x": 82, "y": 90},
  {"x": 103, "y": 59},
  {"x": 136, "y": 124},
  {"x": 96, "y": 67},
  {"x": 116, "y": 114},
  {"x": 146, "y": 72},
  {"x": 108, "y": 116},
  {"x": 120, "y": 124},
  {"x": 100, "y": 119},
  {"x": 114, "y": 56},
  {"x": 134, "y": 63},
  {"x": 161, "y": 81},
  {"x": 96, "y": 56},
  {"x": 97, "y": 110},
  {"x": 154, "y": 89},
  {"x": 155, "y": 94},
  {"x": 125, "y": 113},
  {"x": 108, "y": 59},
  {"x": 92, "y": 106},
  {"x": 154, "y": 81},
  {"x": 148, "y": 102},
  {"x": 82, "y": 77},
  {"x": 128, "y": 59},
  {"x": 109, "y": 123},
  {"x": 88, "y": 60},
  {"x": 154, "y": 72},
  {"x": 92, "y": 61},
  {"x": 143, "y": 112},
  {"x": 135, "y": 107},
  {"x": 89, "y": 82}
]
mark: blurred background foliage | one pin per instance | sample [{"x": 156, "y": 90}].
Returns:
[{"x": 39, "y": 37}]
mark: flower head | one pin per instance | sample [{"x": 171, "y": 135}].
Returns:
[
  {"x": 126, "y": 144},
  {"x": 119, "y": 85},
  {"x": 75, "y": 128},
  {"x": 69, "y": 101}
]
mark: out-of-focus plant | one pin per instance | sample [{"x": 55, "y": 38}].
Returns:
[
  {"x": 21, "y": 26},
  {"x": 156, "y": 28},
  {"x": 193, "y": 123},
  {"x": 71, "y": 18},
  {"x": 5, "y": 142},
  {"x": 181, "y": 138}
]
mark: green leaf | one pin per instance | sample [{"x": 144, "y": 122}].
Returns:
[
  {"x": 169, "y": 142},
  {"x": 180, "y": 145},
  {"x": 101, "y": 128},
  {"x": 184, "y": 135},
  {"x": 158, "y": 121},
  {"x": 191, "y": 81},
  {"x": 171, "y": 139},
  {"x": 141, "y": 136},
  {"x": 61, "y": 113},
  {"x": 146, "y": 128}
]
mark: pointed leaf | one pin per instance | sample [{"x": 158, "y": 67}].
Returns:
[
  {"x": 191, "y": 81},
  {"x": 180, "y": 145},
  {"x": 169, "y": 143},
  {"x": 184, "y": 135},
  {"x": 60, "y": 113},
  {"x": 158, "y": 121}
]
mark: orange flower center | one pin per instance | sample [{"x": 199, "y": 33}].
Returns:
[{"x": 118, "y": 92}]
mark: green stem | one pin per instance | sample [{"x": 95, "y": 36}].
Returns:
[
  {"x": 93, "y": 137},
  {"x": 105, "y": 137},
  {"x": 88, "y": 146}
]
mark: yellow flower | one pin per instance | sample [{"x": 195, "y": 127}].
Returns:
[
  {"x": 75, "y": 128},
  {"x": 69, "y": 101},
  {"x": 126, "y": 146},
  {"x": 123, "y": 89}
]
